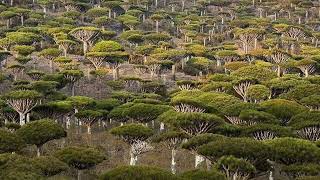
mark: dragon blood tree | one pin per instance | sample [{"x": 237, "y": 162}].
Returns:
[
  {"x": 89, "y": 117},
  {"x": 172, "y": 139},
  {"x": 136, "y": 135},
  {"x": 23, "y": 101}
]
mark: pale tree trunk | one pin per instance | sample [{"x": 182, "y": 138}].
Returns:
[
  {"x": 22, "y": 20},
  {"x": 133, "y": 158},
  {"x": 161, "y": 126},
  {"x": 173, "y": 72},
  {"x": 65, "y": 51},
  {"x": 173, "y": 161},
  {"x": 39, "y": 149},
  {"x": 68, "y": 123},
  {"x": 28, "y": 118},
  {"x": 85, "y": 47},
  {"x": 157, "y": 26},
  {"x": 79, "y": 174},
  {"x": 115, "y": 74},
  {"x": 306, "y": 73},
  {"x": 198, "y": 160},
  {"x": 271, "y": 175},
  {"x": 22, "y": 119},
  {"x": 156, "y": 3},
  {"x": 51, "y": 66},
  {"x": 89, "y": 129},
  {"x": 72, "y": 89},
  {"x": 279, "y": 71}
]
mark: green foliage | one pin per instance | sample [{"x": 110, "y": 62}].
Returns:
[
  {"x": 23, "y": 50},
  {"x": 132, "y": 131},
  {"x": 282, "y": 109},
  {"x": 50, "y": 165},
  {"x": 107, "y": 104},
  {"x": 22, "y": 94},
  {"x": 191, "y": 123},
  {"x": 138, "y": 173},
  {"x": 301, "y": 91},
  {"x": 199, "y": 140},
  {"x": 10, "y": 142},
  {"x": 254, "y": 151},
  {"x": 258, "y": 92},
  {"x": 81, "y": 101},
  {"x": 290, "y": 151},
  {"x": 41, "y": 131},
  {"x": 13, "y": 166},
  {"x": 275, "y": 130},
  {"x": 88, "y": 114},
  {"x": 80, "y": 157},
  {"x": 295, "y": 170},
  {"x": 259, "y": 73},
  {"x": 203, "y": 174},
  {"x": 221, "y": 77},
  {"x": 254, "y": 116},
  {"x": 234, "y": 165},
  {"x": 106, "y": 46},
  {"x": 302, "y": 120},
  {"x": 145, "y": 113}
]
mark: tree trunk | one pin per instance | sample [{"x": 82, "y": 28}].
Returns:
[
  {"x": 157, "y": 26},
  {"x": 51, "y": 66},
  {"x": 173, "y": 161},
  {"x": 161, "y": 126},
  {"x": 79, "y": 174},
  {"x": 133, "y": 158},
  {"x": 173, "y": 72},
  {"x": 306, "y": 73},
  {"x": 65, "y": 51},
  {"x": 218, "y": 63},
  {"x": 279, "y": 71},
  {"x": 72, "y": 89},
  {"x": 85, "y": 47},
  {"x": 39, "y": 149},
  {"x": 198, "y": 160},
  {"x": 115, "y": 73},
  {"x": 22, "y": 119},
  {"x": 89, "y": 129},
  {"x": 28, "y": 118},
  {"x": 22, "y": 20},
  {"x": 8, "y": 23}
]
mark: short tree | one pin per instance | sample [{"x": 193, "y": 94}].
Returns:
[
  {"x": 88, "y": 117},
  {"x": 22, "y": 101},
  {"x": 284, "y": 110},
  {"x": 258, "y": 93},
  {"x": 291, "y": 150},
  {"x": 50, "y": 54},
  {"x": 192, "y": 123},
  {"x": 80, "y": 158},
  {"x": 49, "y": 165},
  {"x": 307, "y": 66},
  {"x": 136, "y": 136},
  {"x": 195, "y": 142},
  {"x": 306, "y": 125},
  {"x": 235, "y": 168},
  {"x": 242, "y": 86},
  {"x": 172, "y": 139},
  {"x": 10, "y": 142},
  {"x": 84, "y": 35},
  {"x": 40, "y": 132},
  {"x": 72, "y": 76}
]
